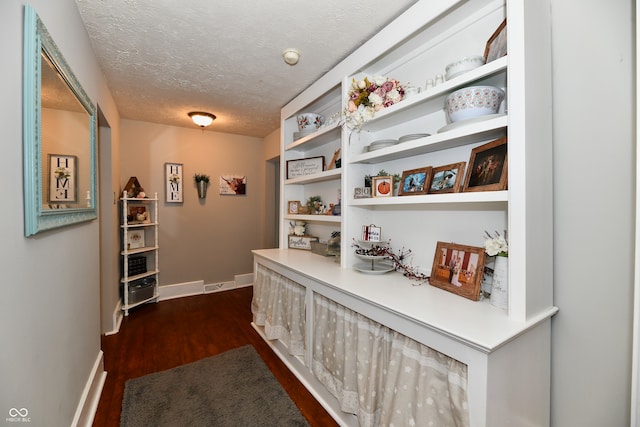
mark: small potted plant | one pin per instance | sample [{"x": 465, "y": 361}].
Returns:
[
  {"x": 314, "y": 203},
  {"x": 202, "y": 181}
]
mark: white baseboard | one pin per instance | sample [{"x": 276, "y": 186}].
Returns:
[
  {"x": 244, "y": 280},
  {"x": 180, "y": 290},
  {"x": 198, "y": 287},
  {"x": 88, "y": 405},
  {"x": 116, "y": 319}
]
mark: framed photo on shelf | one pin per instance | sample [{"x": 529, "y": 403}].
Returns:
[
  {"x": 292, "y": 206},
  {"x": 371, "y": 233},
  {"x": 458, "y": 269},
  {"x": 414, "y": 181},
  {"x": 301, "y": 242},
  {"x": 135, "y": 239},
  {"x": 382, "y": 186},
  {"x": 173, "y": 182},
  {"x": 447, "y": 178},
  {"x": 62, "y": 178},
  {"x": 497, "y": 44},
  {"x": 305, "y": 167},
  {"x": 488, "y": 167}
]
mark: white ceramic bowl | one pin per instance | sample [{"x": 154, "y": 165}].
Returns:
[
  {"x": 473, "y": 101},
  {"x": 309, "y": 121},
  {"x": 462, "y": 66}
]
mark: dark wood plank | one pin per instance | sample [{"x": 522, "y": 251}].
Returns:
[{"x": 156, "y": 337}]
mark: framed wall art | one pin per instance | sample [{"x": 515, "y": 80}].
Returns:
[
  {"x": 135, "y": 239},
  {"x": 447, "y": 178},
  {"x": 414, "y": 181},
  {"x": 233, "y": 185},
  {"x": 173, "y": 182},
  {"x": 382, "y": 186},
  {"x": 62, "y": 178},
  {"x": 458, "y": 269},
  {"x": 497, "y": 44},
  {"x": 488, "y": 167}
]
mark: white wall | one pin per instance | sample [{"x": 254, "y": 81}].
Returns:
[
  {"x": 594, "y": 152},
  {"x": 49, "y": 303}
]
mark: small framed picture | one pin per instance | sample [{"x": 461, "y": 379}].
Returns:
[
  {"x": 458, "y": 269},
  {"x": 371, "y": 233},
  {"x": 488, "y": 167},
  {"x": 292, "y": 206},
  {"x": 497, "y": 44},
  {"x": 62, "y": 178},
  {"x": 301, "y": 242},
  {"x": 135, "y": 239},
  {"x": 173, "y": 182},
  {"x": 447, "y": 178},
  {"x": 382, "y": 186},
  {"x": 414, "y": 181}
]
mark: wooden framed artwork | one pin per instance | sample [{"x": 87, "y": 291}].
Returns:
[
  {"x": 458, "y": 269},
  {"x": 305, "y": 167},
  {"x": 414, "y": 181},
  {"x": 292, "y": 206},
  {"x": 137, "y": 214},
  {"x": 497, "y": 44},
  {"x": 301, "y": 242},
  {"x": 488, "y": 167},
  {"x": 382, "y": 186},
  {"x": 62, "y": 178},
  {"x": 447, "y": 178},
  {"x": 173, "y": 182}
]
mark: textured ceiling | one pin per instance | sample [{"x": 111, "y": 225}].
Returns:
[{"x": 164, "y": 58}]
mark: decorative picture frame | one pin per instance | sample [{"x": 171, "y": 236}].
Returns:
[
  {"x": 382, "y": 186},
  {"x": 458, "y": 269},
  {"x": 488, "y": 167},
  {"x": 496, "y": 46},
  {"x": 415, "y": 181},
  {"x": 135, "y": 239},
  {"x": 371, "y": 233},
  {"x": 233, "y": 185},
  {"x": 447, "y": 178},
  {"x": 305, "y": 167},
  {"x": 63, "y": 178},
  {"x": 292, "y": 206},
  {"x": 173, "y": 182},
  {"x": 301, "y": 242}
]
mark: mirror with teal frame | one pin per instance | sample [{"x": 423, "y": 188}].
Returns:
[{"x": 59, "y": 136}]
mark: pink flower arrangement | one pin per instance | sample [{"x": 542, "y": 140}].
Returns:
[{"x": 370, "y": 95}]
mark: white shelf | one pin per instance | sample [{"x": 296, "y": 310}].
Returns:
[
  {"x": 139, "y": 250},
  {"x": 150, "y": 252},
  {"x": 130, "y": 279},
  {"x": 327, "y": 175},
  {"x": 320, "y": 137},
  {"x": 433, "y": 99},
  {"x": 314, "y": 218},
  {"x": 426, "y": 199},
  {"x": 465, "y": 134}
]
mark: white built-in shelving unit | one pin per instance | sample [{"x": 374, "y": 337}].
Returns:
[{"x": 507, "y": 351}]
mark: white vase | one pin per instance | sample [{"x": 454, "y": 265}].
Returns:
[{"x": 500, "y": 287}]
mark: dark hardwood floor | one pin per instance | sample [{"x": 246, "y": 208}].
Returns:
[{"x": 156, "y": 337}]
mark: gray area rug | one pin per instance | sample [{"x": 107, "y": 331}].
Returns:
[{"x": 234, "y": 388}]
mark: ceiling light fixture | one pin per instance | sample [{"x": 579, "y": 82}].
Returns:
[
  {"x": 202, "y": 119},
  {"x": 291, "y": 56}
]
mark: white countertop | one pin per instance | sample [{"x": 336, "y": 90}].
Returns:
[{"x": 475, "y": 323}]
